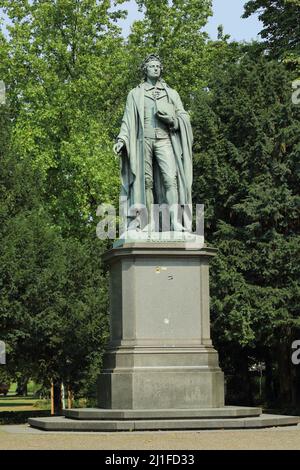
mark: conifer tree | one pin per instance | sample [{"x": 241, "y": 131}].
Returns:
[{"x": 247, "y": 174}]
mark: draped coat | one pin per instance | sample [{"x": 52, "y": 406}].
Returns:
[{"x": 132, "y": 160}]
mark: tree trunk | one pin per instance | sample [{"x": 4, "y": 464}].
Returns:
[
  {"x": 52, "y": 398},
  {"x": 270, "y": 396},
  {"x": 22, "y": 383},
  {"x": 248, "y": 381},
  {"x": 56, "y": 398},
  {"x": 284, "y": 373},
  {"x": 70, "y": 398}
]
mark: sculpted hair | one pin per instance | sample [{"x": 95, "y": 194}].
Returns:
[{"x": 147, "y": 60}]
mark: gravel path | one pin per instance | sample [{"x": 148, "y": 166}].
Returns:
[{"x": 21, "y": 437}]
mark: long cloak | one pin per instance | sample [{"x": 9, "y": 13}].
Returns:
[{"x": 132, "y": 160}]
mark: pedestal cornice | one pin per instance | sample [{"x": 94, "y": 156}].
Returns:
[{"x": 150, "y": 249}]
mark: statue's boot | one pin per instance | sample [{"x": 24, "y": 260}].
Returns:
[{"x": 178, "y": 227}]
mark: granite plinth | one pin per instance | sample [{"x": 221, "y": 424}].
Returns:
[{"x": 160, "y": 355}]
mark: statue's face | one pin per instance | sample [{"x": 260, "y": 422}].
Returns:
[{"x": 153, "y": 69}]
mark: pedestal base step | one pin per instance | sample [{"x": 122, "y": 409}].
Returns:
[
  {"x": 200, "y": 413},
  {"x": 161, "y": 420}
]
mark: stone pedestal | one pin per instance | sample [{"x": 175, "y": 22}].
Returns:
[
  {"x": 160, "y": 354},
  {"x": 160, "y": 371}
]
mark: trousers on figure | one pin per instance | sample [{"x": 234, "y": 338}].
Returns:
[{"x": 162, "y": 151}]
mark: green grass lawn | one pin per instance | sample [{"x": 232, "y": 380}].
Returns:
[
  {"x": 30, "y": 403},
  {"x": 17, "y": 410},
  {"x": 12, "y": 403}
]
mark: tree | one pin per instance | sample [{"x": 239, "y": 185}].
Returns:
[
  {"x": 174, "y": 31},
  {"x": 67, "y": 71},
  {"x": 53, "y": 301},
  {"x": 60, "y": 82},
  {"x": 281, "y": 30},
  {"x": 246, "y": 160},
  {"x": 57, "y": 166}
]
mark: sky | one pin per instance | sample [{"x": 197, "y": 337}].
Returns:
[{"x": 226, "y": 12}]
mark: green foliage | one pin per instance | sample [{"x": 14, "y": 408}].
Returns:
[
  {"x": 247, "y": 174},
  {"x": 56, "y": 167},
  {"x": 53, "y": 299},
  {"x": 67, "y": 72},
  {"x": 5, "y": 377},
  {"x": 281, "y": 30},
  {"x": 173, "y": 26},
  {"x": 58, "y": 69}
]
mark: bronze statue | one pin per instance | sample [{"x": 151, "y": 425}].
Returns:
[{"x": 155, "y": 143}]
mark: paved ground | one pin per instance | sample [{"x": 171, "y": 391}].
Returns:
[{"x": 22, "y": 437}]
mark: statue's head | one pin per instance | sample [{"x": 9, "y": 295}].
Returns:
[{"x": 152, "y": 66}]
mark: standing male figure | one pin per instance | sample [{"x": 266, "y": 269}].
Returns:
[{"x": 155, "y": 142}]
